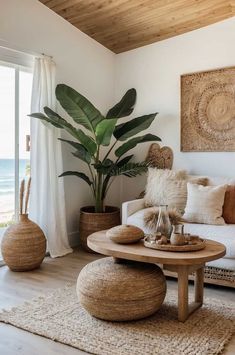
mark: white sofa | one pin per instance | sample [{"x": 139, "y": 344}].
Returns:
[{"x": 224, "y": 268}]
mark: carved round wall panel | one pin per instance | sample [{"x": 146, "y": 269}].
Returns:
[
  {"x": 215, "y": 112},
  {"x": 208, "y": 111}
]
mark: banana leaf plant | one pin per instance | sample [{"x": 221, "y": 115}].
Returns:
[{"x": 93, "y": 132}]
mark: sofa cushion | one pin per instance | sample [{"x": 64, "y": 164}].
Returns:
[
  {"x": 205, "y": 204},
  {"x": 169, "y": 187},
  {"x": 224, "y": 234},
  {"x": 223, "y": 263},
  {"x": 229, "y": 205}
]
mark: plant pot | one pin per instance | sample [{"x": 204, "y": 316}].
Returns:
[
  {"x": 23, "y": 245},
  {"x": 91, "y": 222}
]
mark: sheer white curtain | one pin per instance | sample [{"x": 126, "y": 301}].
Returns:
[{"x": 47, "y": 207}]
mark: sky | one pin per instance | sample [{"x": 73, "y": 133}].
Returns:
[{"x": 7, "y": 111}]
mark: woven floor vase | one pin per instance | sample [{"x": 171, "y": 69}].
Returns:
[
  {"x": 121, "y": 291},
  {"x": 23, "y": 245}
]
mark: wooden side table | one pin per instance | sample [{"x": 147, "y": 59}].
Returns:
[{"x": 183, "y": 263}]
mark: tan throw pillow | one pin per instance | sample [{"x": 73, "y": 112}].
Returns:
[
  {"x": 229, "y": 205},
  {"x": 205, "y": 204},
  {"x": 168, "y": 187}
]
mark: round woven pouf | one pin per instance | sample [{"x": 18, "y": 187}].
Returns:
[{"x": 121, "y": 291}]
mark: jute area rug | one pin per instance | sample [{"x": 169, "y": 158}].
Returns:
[{"x": 58, "y": 316}]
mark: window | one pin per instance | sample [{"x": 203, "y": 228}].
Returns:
[{"x": 15, "y": 97}]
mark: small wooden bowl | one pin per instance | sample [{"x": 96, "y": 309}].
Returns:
[{"x": 125, "y": 234}]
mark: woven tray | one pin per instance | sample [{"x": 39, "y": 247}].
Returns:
[{"x": 169, "y": 247}]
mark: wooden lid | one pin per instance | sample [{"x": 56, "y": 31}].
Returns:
[{"x": 125, "y": 234}]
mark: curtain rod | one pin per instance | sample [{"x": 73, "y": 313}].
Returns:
[
  {"x": 46, "y": 55},
  {"x": 6, "y": 45}
]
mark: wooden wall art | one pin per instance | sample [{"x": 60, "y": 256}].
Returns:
[
  {"x": 161, "y": 158},
  {"x": 208, "y": 111}
]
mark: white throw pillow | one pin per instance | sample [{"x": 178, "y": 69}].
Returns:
[
  {"x": 205, "y": 204},
  {"x": 168, "y": 187}
]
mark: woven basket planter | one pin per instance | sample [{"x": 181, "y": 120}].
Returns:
[
  {"x": 23, "y": 245},
  {"x": 91, "y": 222},
  {"x": 121, "y": 291}
]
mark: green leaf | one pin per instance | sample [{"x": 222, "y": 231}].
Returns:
[
  {"x": 54, "y": 117},
  {"x": 130, "y": 169},
  {"x": 81, "y": 151},
  {"x": 78, "y": 107},
  {"x": 83, "y": 138},
  {"x": 86, "y": 141},
  {"x": 133, "y": 142},
  {"x": 133, "y": 127},
  {"x": 109, "y": 174},
  {"x": 104, "y": 131},
  {"x": 124, "y": 107},
  {"x": 82, "y": 154},
  {"x": 72, "y": 143},
  {"x": 104, "y": 167},
  {"x": 78, "y": 174},
  {"x": 125, "y": 160},
  {"x": 42, "y": 117}
]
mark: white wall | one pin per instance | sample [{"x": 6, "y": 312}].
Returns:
[
  {"x": 81, "y": 63},
  {"x": 155, "y": 70}
]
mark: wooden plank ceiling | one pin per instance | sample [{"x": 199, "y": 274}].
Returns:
[{"x": 121, "y": 25}]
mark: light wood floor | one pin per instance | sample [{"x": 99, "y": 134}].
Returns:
[{"x": 15, "y": 288}]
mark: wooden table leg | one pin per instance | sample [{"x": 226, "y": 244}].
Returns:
[
  {"x": 184, "y": 308},
  {"x": 182, "y": 293},
  {"x": 198, "y": 284}
]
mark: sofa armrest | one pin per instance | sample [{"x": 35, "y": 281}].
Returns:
[{"x": 130, "y": 207}]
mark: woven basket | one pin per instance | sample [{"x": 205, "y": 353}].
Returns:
[
  {"x": 23, "y": 245},
  {"x": 91, "y": 222}
]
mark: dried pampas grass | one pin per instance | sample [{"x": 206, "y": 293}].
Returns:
[
  {"x": 24, "y": 200},
  {"x": 27, "y": 195},
  {"x": 151, "y": 217},
  {"x": 22, "y": 188}
]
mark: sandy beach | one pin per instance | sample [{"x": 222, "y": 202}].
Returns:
[{"x": 6, "y": 208}]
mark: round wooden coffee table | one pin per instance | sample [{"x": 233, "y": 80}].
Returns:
[{"x": 183, "y": 263}]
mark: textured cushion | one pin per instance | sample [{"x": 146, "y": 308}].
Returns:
[
  {"x": 224, "y": 234},
  {"x": 168, "y": 187},
  {"x": 229, "y": 205},
  {"x": 205, "y": 204}
]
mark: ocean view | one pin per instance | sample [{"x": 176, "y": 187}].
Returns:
[{"x": 7, "y": 188}]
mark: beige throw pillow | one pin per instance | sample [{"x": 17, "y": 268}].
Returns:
[
  {"x": 205, "y": 204},
  {"x": 168, "y": 187}
]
